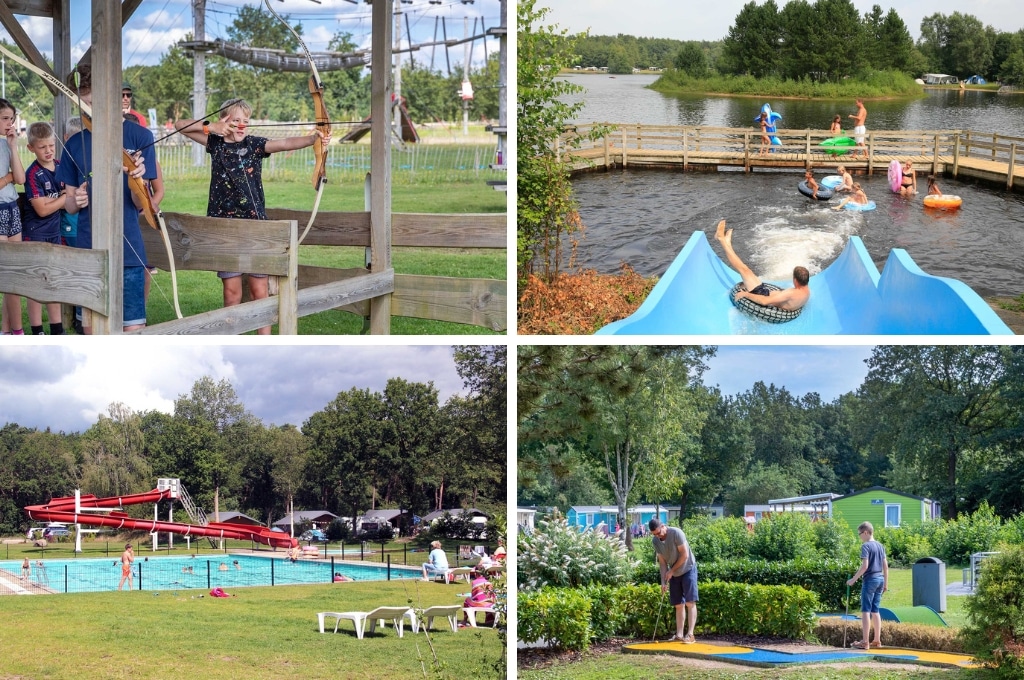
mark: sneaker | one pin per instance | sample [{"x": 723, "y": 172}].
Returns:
[
  {"x": 688, "y": 640},
  {"x": 674, "y": 638}
]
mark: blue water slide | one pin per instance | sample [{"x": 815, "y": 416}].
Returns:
[{"x": 850, "y": 297}]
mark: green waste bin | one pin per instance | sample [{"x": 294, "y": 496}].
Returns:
[{"x": 928, "y": 576}]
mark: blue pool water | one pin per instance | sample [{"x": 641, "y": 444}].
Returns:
[{"x": 201, "y": 572}]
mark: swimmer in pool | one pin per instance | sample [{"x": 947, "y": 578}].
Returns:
[
  {"x": 858, "y": 197},
  {"x": 789, "y": 300},
  {"x": 847, "y": 184},
  {"x": 811, "y": 183},
  {"x": 908, "y": 186},
  {"x": 933, "y": 188}
]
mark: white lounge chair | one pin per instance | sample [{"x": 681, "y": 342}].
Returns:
[
  {"x": 453, "y": 574},
  {"x": 396, "y": 615},
  {"x": 471, "y": 613},
  {"x": 450, "y": 612}
]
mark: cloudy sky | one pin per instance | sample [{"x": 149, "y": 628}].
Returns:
[
  {"x": 66, "y": 387},
  {"x": 828, "y": 370},
  {"x": 155, "y": 26},
  {"x": 690, "y": 20}
]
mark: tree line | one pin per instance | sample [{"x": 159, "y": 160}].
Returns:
[
  {"x": 364, "y": 450},
  {"x": 825, "y": 40},
  {"x": 430, "y": 94},
  {"x": 627, "y": 425}
]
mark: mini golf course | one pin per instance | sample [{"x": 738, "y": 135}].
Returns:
[{"x": 766, "y": 658}]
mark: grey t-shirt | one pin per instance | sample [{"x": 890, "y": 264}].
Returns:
[{"x": 669, "y": 550}]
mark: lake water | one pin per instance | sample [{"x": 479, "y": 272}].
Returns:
[
  {"x": 644, "y": 217},
  {"x": 626, "y": 99}
]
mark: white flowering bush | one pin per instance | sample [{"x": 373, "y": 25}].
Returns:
[{"x": 556, "y": 554}]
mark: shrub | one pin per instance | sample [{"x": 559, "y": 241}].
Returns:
[
  {"x": 995, "y": 615},
  {"x": 744, "y": 609},
  {"x": 645, "y": 563},
  {"x": 457, "y": 526},
  {"x": 560, "y": 616},
  {"x": 559, "y": 555},
  {"x": 339, "y": 530},
  {"x": 956, "y": 540},
  {"x": 826, "y": 578},
  {"x": 833, "y": 540},
  {"x": 639, "y": 605},
  {"x": 829, "y": 631},
  {"x": 605, "y": 615},
  {"x": 903, "y": 545},
  {"x": 1013, "y": 530},
  {"x": 717, "y": 539},
  {"x": 784, "y": 536}
]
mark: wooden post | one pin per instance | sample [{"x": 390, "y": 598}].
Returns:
[
  {"x": 288, "y": 288},
  {"x": 746, "y": 151},
  {"x": 639, "y": 136},
  {"x": 686, "y": 150},
  {"x": 107, "y": 202},
  {"x": 935, "y": 157},
  {"x": 807, "y": 147},
  {"x": 1009, "y": 167},
  {"x": 995, "y": 140},
  {"x": 607, "y": 151},
  {"x": 623, "y": 146},
  {"x": 380, "y": 160},
  {"x": 871, "y": 152},
  {"x": 956, "y": 151}
]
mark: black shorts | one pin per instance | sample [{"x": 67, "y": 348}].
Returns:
[{"x": 761, "y": 289}]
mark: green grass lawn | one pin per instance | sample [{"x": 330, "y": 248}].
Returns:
[
  {"x": 202, "y": 291},
  {"x": 260, "y": 633}
]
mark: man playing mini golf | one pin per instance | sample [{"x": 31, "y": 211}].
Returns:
[{"x": 678, "y": 575}]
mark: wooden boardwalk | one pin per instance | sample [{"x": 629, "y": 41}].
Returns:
[{"x": 956, "y": 153}]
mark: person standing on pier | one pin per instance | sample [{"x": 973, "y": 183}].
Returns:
[{"x": 859, "y": 129}]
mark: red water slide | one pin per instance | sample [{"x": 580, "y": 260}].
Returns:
[{"x": 63, "y": 510}]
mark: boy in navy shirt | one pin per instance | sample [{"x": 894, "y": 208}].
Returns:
[{"x": 44, "y": 199}]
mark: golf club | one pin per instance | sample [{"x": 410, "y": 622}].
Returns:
[
  {"x": 662, "y": 604},
  {"x": 846, "y": 624}
]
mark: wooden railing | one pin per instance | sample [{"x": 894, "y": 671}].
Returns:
[
  {"x": 993, "y": 148},
  {"x": 694, "y": 141}
]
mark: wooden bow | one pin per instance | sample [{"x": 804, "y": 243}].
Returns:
[
  {"x": 137, "y": 185},
  {"x": 323, "y": 123}
]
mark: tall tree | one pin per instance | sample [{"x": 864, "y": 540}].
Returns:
[
  {"x": 752, "y": 45},
  {"x": 113, "y": 454},
  {"x": 936, "y": 404}
]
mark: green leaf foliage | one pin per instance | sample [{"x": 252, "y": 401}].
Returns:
[
  {"x": 560, "y": 616},
  {"x": 826, "y": 578},
  {"x": 555, "y": 554},
  {"x": 995, "y": 614}
]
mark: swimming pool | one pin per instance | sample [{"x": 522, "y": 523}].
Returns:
[{"x": 201, "y": 572}]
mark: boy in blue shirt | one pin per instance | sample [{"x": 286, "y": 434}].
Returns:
[
  {"x": 44, "y": 199},
  {"x": 75, "y": 171}
]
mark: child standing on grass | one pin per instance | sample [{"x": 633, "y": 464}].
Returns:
[
  {"x": 44, "y": 197},
  {"x": 11, "y": 172},
  {"x": 236, "y": 185},
  {"x": 874, "y": 567}
]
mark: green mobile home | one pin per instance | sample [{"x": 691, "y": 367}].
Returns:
[{"x": 884, "y": 508}]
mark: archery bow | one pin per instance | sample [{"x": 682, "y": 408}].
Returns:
[
  {"x": 137, "y": 185},
  {"x": 323, "y": 124}
]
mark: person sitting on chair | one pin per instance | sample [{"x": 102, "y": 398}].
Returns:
[{"x": 438, "y": 564}]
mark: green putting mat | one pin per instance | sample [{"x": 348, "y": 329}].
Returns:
[{"x": 921, "y": 614}]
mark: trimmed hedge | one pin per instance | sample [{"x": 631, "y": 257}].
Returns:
[
  {"x": 570, "y": 619},
  {"x": 826, "y": 578}
]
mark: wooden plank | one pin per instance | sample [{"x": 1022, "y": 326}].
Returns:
[
  {"x": 476, "y": 302},
  {"x": 369, "y": 286},
  {"x": 430, "y": 230},
  {"x": 233, "y": 320},
  {"x": 50, "y": 273},
  {"x": 218, "y": 244}
]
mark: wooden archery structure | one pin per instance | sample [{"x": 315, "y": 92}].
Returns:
[{"x": 92, "y": 278}]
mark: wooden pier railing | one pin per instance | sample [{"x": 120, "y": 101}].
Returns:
[{"x": 986, "y": 156}]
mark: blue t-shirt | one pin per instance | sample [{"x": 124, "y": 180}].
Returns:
[
  {"x": 76, "y": 168},
  {"x": 41, "y": 183},
  {"x": 874, "y": 553}
]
